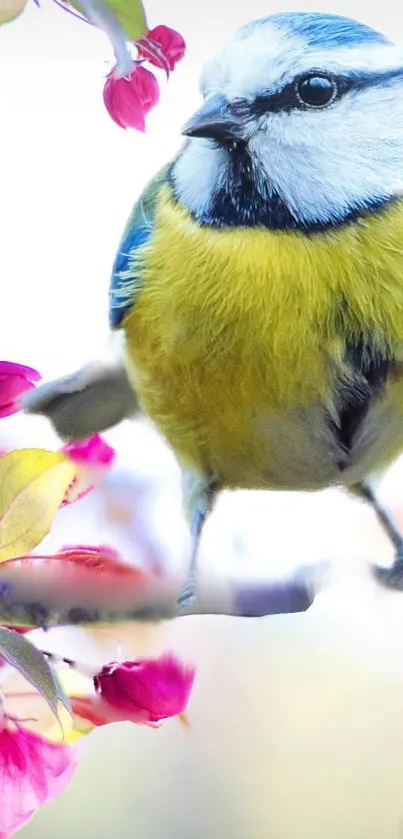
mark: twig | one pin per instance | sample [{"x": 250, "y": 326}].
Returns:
[{"x": 250, "y": 600}]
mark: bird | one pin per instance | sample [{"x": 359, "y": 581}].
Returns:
[{"x": 258, "y": 285}]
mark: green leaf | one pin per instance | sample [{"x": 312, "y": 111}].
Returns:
[
  {"x": 130, "y": 14},
  {"x": 21, "y": 654}
]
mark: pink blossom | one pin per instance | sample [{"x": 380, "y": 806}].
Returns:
[
  {"x": 98, "y": 711},
  {"x": 145, "y": 692},
  {"x": 162, "y": 46},
  {"x": 129, "y": 99},
  {"x": 93, "y": 451},
  {"x": 92, "y": 456},
  {"x": 32, "y": 772},
  {"x": 92, "y": 574},
  {"x": 14, "y": 380}
]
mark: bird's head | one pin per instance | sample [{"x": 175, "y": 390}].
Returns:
[{"x": 301, "y": 126}]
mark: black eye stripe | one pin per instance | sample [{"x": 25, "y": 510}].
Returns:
[{"x": 287, "y": 98}]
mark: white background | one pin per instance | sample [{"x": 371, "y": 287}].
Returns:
[{"x": 274, "y": 750}]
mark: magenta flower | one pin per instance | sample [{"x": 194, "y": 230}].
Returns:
[
  {"x": 162, "y": 46},
  {"x": 93, "y": 457},
  {"x": 145, "y": 692},
  {"x": 94, "y": 451},
  {"x": 129, "y": 99},
  {"x": 14, "y": 380},
  {"x": 32, "y": 771},
  {"x": 159, "y": 688},
  {"x": 128, "y": 104}
]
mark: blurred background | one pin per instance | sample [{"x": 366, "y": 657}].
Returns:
[{"x": 295, "y": 721}]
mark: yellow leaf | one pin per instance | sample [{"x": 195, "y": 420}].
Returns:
[
  {"x": 73, "y": 729},
  {"x": 10, "y": 9},
  {"x": 28, "y": 705},
  {"x": 130, "y": 14},
  {"x": 73, "y": 682},
  {"x": 32, "y": 486}
]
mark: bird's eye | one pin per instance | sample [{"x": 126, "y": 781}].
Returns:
[{"x": 316, "y": 91}]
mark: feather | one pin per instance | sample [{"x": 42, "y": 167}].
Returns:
[
  {"x": 241, "y": 346},
  {"x": 126, "y": 280}
]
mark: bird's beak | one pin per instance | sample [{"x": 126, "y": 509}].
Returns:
[{"x": 213, "y": 120}]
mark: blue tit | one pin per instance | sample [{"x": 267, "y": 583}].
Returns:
[{"x": 258, "y": 285}]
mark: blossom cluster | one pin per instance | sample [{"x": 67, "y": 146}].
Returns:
[
  {"x": 131, "y": 89},
  {"x": 33, "y": 767},
  {"x": 129, "y": 98}
]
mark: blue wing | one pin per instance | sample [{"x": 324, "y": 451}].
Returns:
[{"x": 126, "y": 279}]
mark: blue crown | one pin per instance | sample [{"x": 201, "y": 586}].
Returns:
[{"x": 321, "y": 30}]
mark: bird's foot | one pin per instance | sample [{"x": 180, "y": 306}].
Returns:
[
  {"x": 391, "y": 577},
  {"x": 188, "y": 595}
]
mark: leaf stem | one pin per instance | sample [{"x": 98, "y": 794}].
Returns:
[{"x": 102, "y": 16}]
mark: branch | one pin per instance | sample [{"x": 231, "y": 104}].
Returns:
[{"x": 37, "y": 608}]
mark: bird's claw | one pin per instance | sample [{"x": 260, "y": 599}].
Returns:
[
  {"x": 188, "y": 595},
  {"x": 391, "y": 578}
]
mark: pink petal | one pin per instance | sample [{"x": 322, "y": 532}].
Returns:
[
  {"x": 128, "y": 100},
  {"x": 102, "y": 558},
  {"x": 98, "y": 711},
  {"x": 15, "y": 379},
  {"x": 10, "y": 368},
  {"x": 95, "y": 451},
  {"x": 158, "y": 688},
  {"x": 32, "y": 771},
  {"x": 77, "y": 490},
  {"x": 93, "y": 576},
  {"x": 10, "y": 389},
  {"x": 169, "y": 42},
  {"x": 92, "y": 457}
]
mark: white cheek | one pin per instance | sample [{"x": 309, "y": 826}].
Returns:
[
  {"x": 199, "y": 168},
  {"x": 322, "y": 164}
]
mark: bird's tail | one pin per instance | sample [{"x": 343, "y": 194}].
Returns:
[{"x": 95, "y": 398}]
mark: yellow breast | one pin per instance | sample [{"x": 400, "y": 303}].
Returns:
[{"x": 236, "y": 328}]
